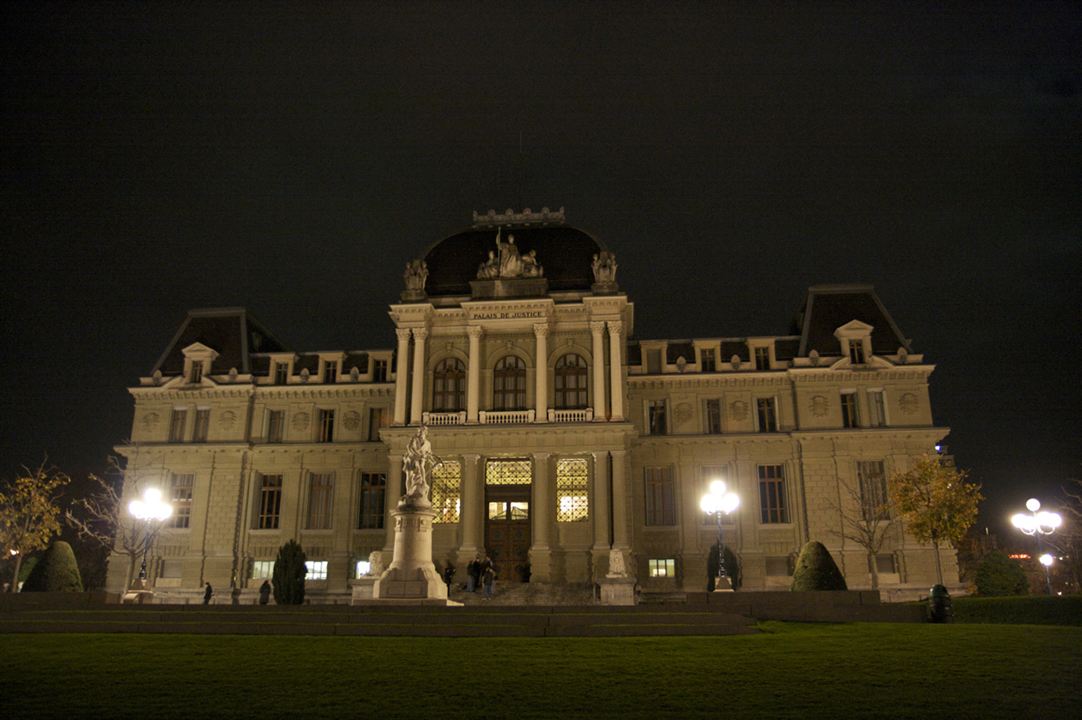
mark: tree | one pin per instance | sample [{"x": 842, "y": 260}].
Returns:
[
  {"x": 865, "y": 514},
  {"x": 288, "y": 576},
  {"x": 29, "y": 513},
  {"x": 999, "y": 575},
  {"x": 1069, "y": 536},
  {"x": 816, "y": 570},
  {"x": 56, "y": 572},
  {"x": 732, "y": 567},
  {"x": 937, "y": 503}
]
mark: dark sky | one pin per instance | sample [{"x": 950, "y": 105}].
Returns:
[{"x": 290, "y": 158}]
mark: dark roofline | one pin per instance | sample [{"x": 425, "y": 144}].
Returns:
[
  {"x": 838, "y": 289},
  {"x": 246, "y": 319}
]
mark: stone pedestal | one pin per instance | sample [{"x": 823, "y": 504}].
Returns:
[
  {"x": 411, "y": 576},
  {"x": 362, "y": 589},
  {"x": 617, "y": 590}
]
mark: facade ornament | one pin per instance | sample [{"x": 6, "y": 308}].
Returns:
[
  {"x": 738, "y": 410},
  {"x": 232, "y": 374},
  {"x": 150, "y": 421},
  {"x": 506, "y": 261},
  {"x": 617, "y": 564},
  {"x": 417, "y": 463},
  {"x": 526, "y": 217},
  {"x": 227, "y": 420},
  {"x": 813, "y": 356},
  {"x": 354, "y": 374},
  {"x": 819, "y": 405},
  {"x": 416, "y": 275},
  {"x": 908, "y": 403},
  {"x": 604, "y": 267},
  {"x": 681, "y": 363},
  {"x": 735, "y": 362},
  {"x": 305, "y": 374},
  {"x": 157, "y": 377},
  {"x": 375, "y": 563},
  {"x": 903, "y": 356},
  {"x": 300, "y": 421},
  {"x": 352, "y": 420}
]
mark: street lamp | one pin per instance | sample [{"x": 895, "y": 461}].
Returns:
[
  {"x": 1037, "y": 524},
  {"x": 718, "y": 502},
  {"x": 150, "y": 509}
]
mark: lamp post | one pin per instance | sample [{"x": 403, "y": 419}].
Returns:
[
  {"x": 718, "y": 502},
  {"x": 1037, "y": 523},
  {"x": 151, "y": 509}
]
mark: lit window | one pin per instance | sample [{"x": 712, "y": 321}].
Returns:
[
  {"x": 660, "y": 496},
  {"x": 182, "y": 500},
  {"x": 656, "y": 420},
  {"x": 202, "y": 425},
  {"x": 707, "y": 361},
  {"x": 326, "y": 426},
  {"x": 270, "y": 502},
  {"x": 275, "y": 425},
  {"x": 773, "y": 504},
  {"x": 520, "y": 510},
  {"x": 662, "y": 567},
  {"x": 849, "y": 410},
  {"x": 856, "y": 352},
  {"x": 767, "y": 414},
  {"x": 320, "y": 500},
  {"x": 446, "y": 493},
  {"x": 572, "y": 490},
  {"x": 506, "y": 510},
  {"x": 317, "y": 569},
  {"x": 262, "y": 569},
  {"x": 878, "y": 406},
  {"x": 362, "y": 569},
  {"x": 508, "y": 472},
  {"x": 177, "y": 423},
  {"x": 373, "y": 494},
  {"x": 762, "y": 358},
  {"x": 713, "y": 417}
]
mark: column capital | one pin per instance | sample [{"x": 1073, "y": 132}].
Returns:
[
  {"x": 475, "y": 332},
  {"x": 470, "y": 457},
  {"x": 598, "y": 454},
  {"x": 618, "y": 453},
  {"x": 597, "y": 326},
  {"x": 420, "y": 333},
  {"x": 616, "y": 327},
  {"x": 541, "y": 329},
  {"x": 541, "y": 455},
  {"x": 403, "y": 334}
]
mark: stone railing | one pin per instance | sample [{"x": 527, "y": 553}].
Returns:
[
  {"x": 571, "y": 416},
  {"x": 506, "y": 417},
  {"x": 444, "y": 418}
]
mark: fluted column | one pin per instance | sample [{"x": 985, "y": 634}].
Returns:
[
  {"x": 418, "y": 392},
  {"x": 616, "y": 329},
  {"x": 473, "y": 381},
  {"x": 544, "y": 515},
  {"x": 401, "y": 375},
  {"x": 391, "y": 498},
  {"x": 473, "y": 503},
  {"x": 597, "y": 329},
  {"x": 621, "y": 501},
  {"x": 541, "y": 365},
  {"x": 602, "y": 510}
]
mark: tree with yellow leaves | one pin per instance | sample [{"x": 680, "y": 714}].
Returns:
[{"x": 29, "y": 514}]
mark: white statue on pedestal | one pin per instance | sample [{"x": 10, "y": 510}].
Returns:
[
  {"x": 417, "y": 462},
  {"x": 375, "y": 563}
]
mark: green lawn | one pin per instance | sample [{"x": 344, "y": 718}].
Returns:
[{"x": 791, "y": 670}]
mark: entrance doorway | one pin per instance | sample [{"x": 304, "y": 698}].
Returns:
[{"x": 507, "y": 517}]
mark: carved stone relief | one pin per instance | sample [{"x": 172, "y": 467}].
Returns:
[
  {"x": 352, "y": 420},
  {"x": 738, "y": 410},
  {"x": 908, "y": 403},
  {"x": 820, "y": 405},
  {"x": 683, "y": 413},
  {"x": 300, "y": 421},
  {"x": 150, "y": 420},
  {"x": 227, "y": 420}
]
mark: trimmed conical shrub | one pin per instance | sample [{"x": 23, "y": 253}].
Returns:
[
  {"x": 999, "y": 575},
  {"x": 289, "y": 572},
  {"x": 57, "y": 571},
  {"x": 816, "y": 570},
  {"x": 732, "y": 567}
]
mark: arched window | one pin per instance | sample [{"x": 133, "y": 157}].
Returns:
[
  {"x": 449, "y": 386},
  {"x": 571, "y": 382},
  {"x": 509, "y": 384}
]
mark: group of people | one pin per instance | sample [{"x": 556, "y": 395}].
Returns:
[
  {"x": 481, "y": 573},
  {"x": 264, "y": 594}
]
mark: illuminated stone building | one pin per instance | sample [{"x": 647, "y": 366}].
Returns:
[{"x": 561, "y": 437}]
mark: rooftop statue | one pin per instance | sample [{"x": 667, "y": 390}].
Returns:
[
  {"x": 507, "y": 262},
  {"x": 416, "y": 275},
  {"x": 604, "y": 267}
]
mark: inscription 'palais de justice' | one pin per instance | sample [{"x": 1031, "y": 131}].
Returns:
[{"x": 521, "y": 315}]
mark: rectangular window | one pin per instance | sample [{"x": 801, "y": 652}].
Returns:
[
  {"x": 653, "y": 361},
  {"x": 379, "y": 371},
  {"x": 196, "y": 375},
  {"x": 446, "y": 491},
  {"x": 773, "y": 507},
  {"x": 849, "y": 410},
  {"x": 657, "y": 423},
  {"x": 878, "y": 406},
  {"x": 270, "y": 502},
  {"x": 326, "y": 426},
  {"x": 317, "y": 569},
  {"x": 375, "y": 423},
  {"x": 177, "y": 425},
  {"x": 856, "y": 352},
  {"x": 281, "y": 373},
  {"x": 707, "y": 361},
  {"x": 320, "y": 500},
  {"x": 873, "y": 489},
  {"x": 276, "y": 423},
  {"x": 182, "y": 500},
  {"x": 662, "y": 567},
  {"x": 767, "y": 414},
  {"x": 884, "y": 564},
  {"x": 762, "y": 358},
  {"x": 330, "y": 372},
  {"x": 660, "y": 496},
  {"x": 361, "y": 569},
  {"x": 172, "y": 568},
  {"x": 572, "y": 490},
  {"x": 713, "y": 417},
  {"x": 507, "y": 471},
  {"x": 262, "y": 569},
  {"x": 373, "y": 497},
  {"x": 202, "y": 425}
]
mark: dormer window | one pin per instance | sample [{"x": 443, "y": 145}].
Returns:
[
  {"x": 707, "y": 360},
  {"x": 856, "y": 352},
  {"x": 198, "y": 359},
  {"x": 379, "y": 371},
  {"x": 762, "y": 358},
  {"x": 281, "y": 373},
  {"x": 855, "y": 341},
  {"x": 195, "y": 373},
  {"x": 330, "y": 372}
]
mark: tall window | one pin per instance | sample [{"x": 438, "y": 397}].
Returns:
[
  {"x": 202, "y": 425},
  {"x": 713, "y": 416},
  {"x": 376, "y": 417},
  {"x": 660, "y": 496},
  {"x": 662, "y": 567},
  {"x": 762, "y": 358},
  {"x": 509, "y": 384},
  {"x": 330, "y": 371},
  {"x": 177, "y": 424},
  {"x": 379, "y": 371},
  {"x": 317, "y": 569},
  {"x": 708, "y": 361},
  {"x": 281, "y": 373},
  {"x": 373, "y": 494},
  {"x": 270, "y": 502},
  {"x": 856, "y": 352},
  {"x": 446, "y": 491},
  {"x": 849, "y": 410},
  {"x": 320, "y": 500},
  {"x": 572, "y": 490},
  {"x": 772, "y": 501},
  {"x": 878, "y": 406},
  {"x": 767, "y": 414},
  {"x": 326, "y": 426},
  {"x": 653, "y": 361},
  {"x": 195, "y": 375},
  {"x": 656, "y": 420},
  {"x": 276, "y": 421},
  {"x": 449, "y": 386},
  {"x": 262, "y": 569},
  {"x": 571, "y": 382},
  {"x": 182, "y": 500},
  {"x": 873, "y": 489}
]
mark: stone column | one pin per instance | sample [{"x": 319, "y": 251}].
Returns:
[
  {"x": 473, "y": 505},
  {"x": 597, "y": 329},
  {"x": 401, "y": 374},
  {"x": 541, "y": 365},
  {"x": 390, "y": 502},
  {"x": 616, "y": 329},
  {"x": 543, "y": 516},
  {"x": 602, "y": 513},
  {"x": 621, "y": 501},
  {"x": 418, "y": 392},
  {"x": 473, "y": 381}
]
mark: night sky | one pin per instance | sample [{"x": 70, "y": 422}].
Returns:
[{"x": 290, "y": 158}]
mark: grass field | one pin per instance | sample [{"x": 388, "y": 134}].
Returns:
[{"x": 790, "y": 670}]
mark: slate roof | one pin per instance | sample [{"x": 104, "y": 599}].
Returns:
[
  {"x": 828, "y": 307},
  {"x": 232, "y": 332}
]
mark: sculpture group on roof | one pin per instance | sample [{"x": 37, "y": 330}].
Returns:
[{"x": 507, "y": 262}]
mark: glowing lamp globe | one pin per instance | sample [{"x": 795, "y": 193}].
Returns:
[
  {"x": 1046, "y": 560},
  {"x": 1033, "y": 504},
  {"x": 151, "y": 506}
]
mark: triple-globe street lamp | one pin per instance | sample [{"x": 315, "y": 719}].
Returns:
[
  {"x": 1037, "y": 523},
  {"x": 717, "y": 502},
  {"x": 150, "y": 509}
]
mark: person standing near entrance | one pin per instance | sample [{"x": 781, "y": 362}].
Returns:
[
  {"x": 488, "y": 578},
  {"x": 264, "y": 592},
  {"x": 473, "y": 572},
  {"x": 208, "y": 593}
]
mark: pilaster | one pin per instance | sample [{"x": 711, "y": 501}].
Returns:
[
  {"x": 541, "y": 365},
  {"x": 401, "y": 375},
  {"x": 597, "y": 330},
  {"x": 473, "y": 383},
  {"x": 621, "y": 502},
  {"x": 473, "y": 501},
  {"x": 616, "y": 329},
  {"x": 543, "y": 518},
  {"x": 418, "y": 392}
]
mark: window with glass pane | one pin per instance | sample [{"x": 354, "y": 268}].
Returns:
[
  {"x": 379, "y": 371},
  {"x": 276, "y": 422},
  {"x": 509, "y": 384},
  {"x": 196, "y": 374},
  {"x": 320, "y": 499},
  {"x": 656, "y": 417},
  {"x": 506, "y": 471},
  {"x": 873, "y": 489},
  {"x": 856, "y": 352},
  {"x": 181, "y": 496},
  {"x": 519, "y": 510},
  {"x": 884, "y": 564},
  {"x": 653, "y": 361},
  {"x": 762, "y": 358},
  {"x": 449, "y": 386},
  {"x": 571, "y": 390},
  {"x": 497, "y": 511},
  {"x": 849, "y": 410},
  {"x": 317, "y": 570},
  {"x": 878, "y": 406},
  {"x": 202, "y": 425},
  {"x": 262, "y": 569},
  {"x": 708, "y": 361},
  {"x": 446, "y": 491},
  {"x": 330, "y": 371},
  {"x": 767, "y": 414},
  {"x": 177, "y": 424},
  {"x": 572, "y": 489},
  {"x": 373, "y": 494},
  {"x": 662, "y": 567},
  {"x": 270, "y": 502},
  {"x": 773, "y": 504},
  {"x": 281, "y": 373},
  {"x": 713, "y": 416},
  {"x": 326, "y": 426},
  {"x": 361, "y": 569},
  {"x": 376, "y": 419},
  {"x": 660, "y": 496}
]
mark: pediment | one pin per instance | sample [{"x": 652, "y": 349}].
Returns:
[
  {"x": 199, "y": 351},
  {"x": 853, "y": 329}
]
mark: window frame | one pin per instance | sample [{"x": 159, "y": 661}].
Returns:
[
  {"x": 712, "y": 417},
  {"x": 509, "y": 384},
  {"x": 201, "y": 426},
  {"x": 769, "y": 422},
  {"x": 325, "y": 425},
  {"x": 269, "y": 518},
  {"x": 319, "y": 511},
  {"x": 849, "y": 406},
  {"x": 578, "y": 396},
  {"x": 773, "y": 494},
  {"x": 659, "y": 508},
  {"x": 657, "y": 416},
  {"x": 371, "y": 500},
  {"x": 181, "y": 519},
  {"x": 449, "y": 385}
]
